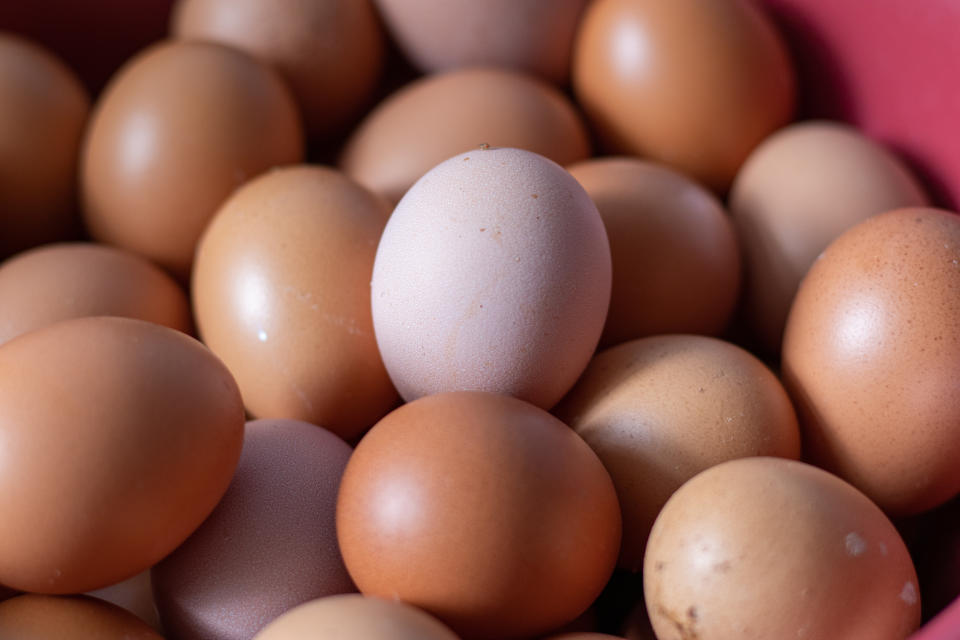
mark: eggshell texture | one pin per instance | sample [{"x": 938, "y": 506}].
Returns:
[
  {"x": 535, "y": 36},
  {"x": 439, "y": 116},
  {"x": 695, "y": 84},
  {"x": 42, "y": 115},
  {"x": 330, "y": 52},
  {"x": 871, "y": 356},
  {"x": 119, "y": 437},
  {"x": 800, "y": 189},
  {"x": 178, "y": 129},
  {"x": 133, "y": 594},
  {"x": 57, "y": 282},
  {"x": 472, "y": 506},
  {"x": 676, "y": 263},
  {"x": 659, "y": 410},
  {"x": 281, "y": 292},
  {"x": 493, "y": 274},
  {"x": 770, "y": 549},
  {"x": 356, "y": 616},
  {"x": 35, "y": 617},
  {"x": 270, "y": 544}
]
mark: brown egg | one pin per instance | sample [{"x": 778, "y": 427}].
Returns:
[
  {"x": 133, "y": 594},
  {"x": 119, "y": 437},
  {"x": 178, "y": 129},
  {"x": 659, "y": 410},
  {"x": 330, "y": 52},
  {"x": 34, "y": 617},
  {"x": 270, "y": 544},
  {"x": 800, "y": 189},
  {"x": 676, "y": 263},
  {"x": 693, "y": 84},
  {"x": 772, "y": 548},
  {"x": 281, "y": 292},
  {"x": 437, "y": 117},
  {"x": 62, "y": 281},
  {"x": 356, "y": 616},
  {"x": 535, "y": 36},
  {"x": 481, "y": 509},
  {"x": 871, "y": 354},
  {"x": 42, "y": 116}
]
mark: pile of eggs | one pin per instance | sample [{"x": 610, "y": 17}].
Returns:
[{"x": 449, "y": 319}]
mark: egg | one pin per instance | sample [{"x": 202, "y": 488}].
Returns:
[
  {"x": 37, "y": 617},
  {"x": 330, "y": 52},
  {"x": 176, "y": 131},
  {"x": 270, "y": 544},
  {"x": 133, "y": 594},
  {"x": 676, "y": 260},
  {"x": 73, "y": 280},
  {"x": 437, "y": 117},
  {"x": 800, "y": 189},
  {"x": 481, "y": 509},
  {"x": 42, "y": 117},
  {"x": 354, "y": 616},
  {"x": 770, "y": 549},
  {"x": 493, "y": 274},
  {"x": 693, "y": 84},
  {"x": 281, "y": 292},
  {"x": 119, "y": 437},
  {"x": 871, "y": 353}
]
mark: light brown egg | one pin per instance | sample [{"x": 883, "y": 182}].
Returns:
[
  {"x": 119, "y": 437},
  {"x": 178, "y": 129},
  {"x": 481, "y": 509},
  {"x": 871, "y": 356},
  {"x": 281, "y": 292},
  {"x": 34, "y": 617},
  {"x": 694, "y": 84},
  {"x": 42, "y": 116},
  {"x": 800, "y": 189},
  {"x": 57, "y": 282},
  {"x": 771, "y": 549},
  {"x": 676, "y": 262},
  {"x": 330, "y": 52},
  {"x": 659, "y": 410},
  {"x": 440, "y": 116}
]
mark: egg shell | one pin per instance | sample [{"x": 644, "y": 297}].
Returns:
[
  {"x": 330, "y": 52},
  {"x": 62, "y": 281},
  {"x": 695, "y": 84},
  {"x": 42, "y": 117},
  {"x": 38, "y": 617},
  {"x": 177, "y": 130},
  {"x": 281, "y": 292},
  {"x": 133, "y": 594},
  {"x": 676, "y": 260},
  {"x": 270, "y": 544},
  {"x": 434, "y": 118},
  {"x": 774, "y": 548},
  {"x": 799, "y": 190},
  {"x": 120, "y": 436},
  {"x": 493, "y": 274},
  {"x": 481, "y": 509}
]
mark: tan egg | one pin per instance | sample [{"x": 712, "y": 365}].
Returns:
[
  {"x": 440, "y": 116},
  {"x": 42, "y": 116},
  {"x": 695, "y": 84},
  {"x": 330, "y": 52},
  {"x": 281, "y": 292},
  {"x": 771, "y": 549},
  {"x": 33, "y": 617},
  {"x": 676, "y": 263},
  {"x": 871, "y": 355},
  {"x": 57, "y": 282},
  {"x": 177, "y": 130},
  {"x": 659, "y": 410},
  {"x": 135, "y": 595},
  {"x": 800, "y": 189},
  {"x": 355, "y": 616},
  {"x": 119, "y": 438}
]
